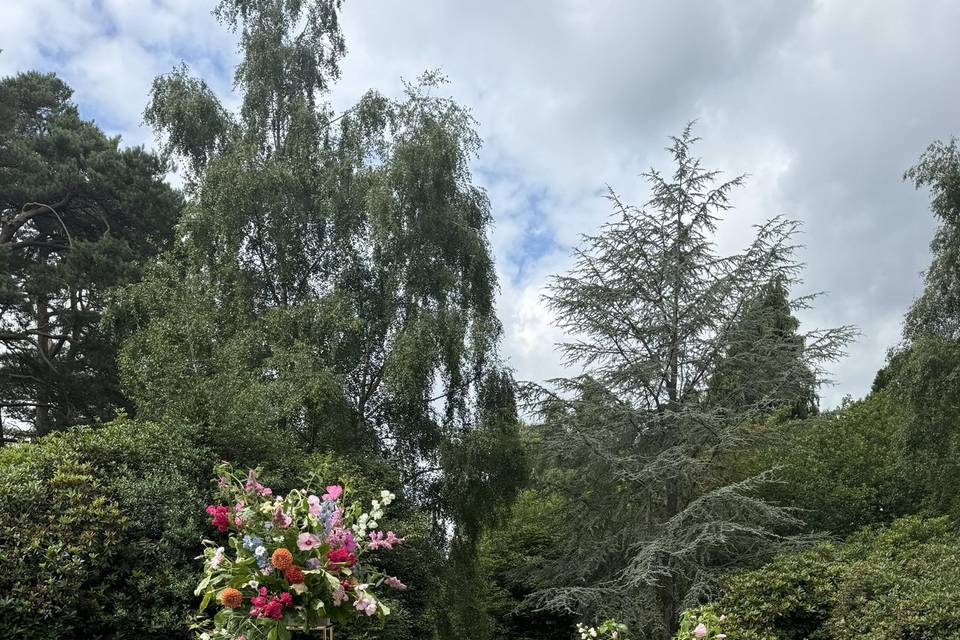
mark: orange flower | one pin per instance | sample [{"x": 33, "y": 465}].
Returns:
[
  {"x": 282, "y": 559},
  {"x": 231, "y": 598},
  {"x": 293, "y": 575}
]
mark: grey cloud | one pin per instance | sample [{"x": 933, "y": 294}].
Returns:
[{"x": 824, "y": 103}]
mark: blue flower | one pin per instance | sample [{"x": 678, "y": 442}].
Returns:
[{"x": 251, "y": 542}]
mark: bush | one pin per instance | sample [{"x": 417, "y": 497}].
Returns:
[
  {"x": 98, "y": 528},
  {"x": 845, "y": 469},
  {"x": 901, "y": 582}
]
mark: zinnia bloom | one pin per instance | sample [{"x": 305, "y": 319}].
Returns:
[
  {"x": 231, "y": 598},
  {"x": 282, "y": 559},
  {"x": 294, "y": 575}
]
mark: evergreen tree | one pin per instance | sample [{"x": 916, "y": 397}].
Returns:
[
  {"x": 633, "y": 441},
  {"x": 762, "y": 366},
  {"x": 78, "y": 215}
]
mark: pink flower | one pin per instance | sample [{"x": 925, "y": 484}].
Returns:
[
  {"x": 341, "y": 537},
  {"x": 252, "y": 484},
  {"x": 367, "y": 605},
  {"x": 342, "y": 556},
  {"x": 334, "y": 491},
  {"x": 307, "y": 541},
  {"x": 391, "y": 581},
  {"x": 339, "y": 595},
  {"x": 221, "y": 518},
  {"x": 335, "y": 518},
  {"x": 281, "y": 519},
  {"x": 313, "y": 503},
  {"x": 378, "y": 541},
  {"x": 700, "y": 631}
]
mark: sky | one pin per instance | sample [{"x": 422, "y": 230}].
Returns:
[{"x": 823, "y": 103}]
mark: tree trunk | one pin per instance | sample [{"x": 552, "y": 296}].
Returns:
[{"x": 42, "y": 425}]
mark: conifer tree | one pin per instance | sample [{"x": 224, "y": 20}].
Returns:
[
  {"x": 78, "y": 215},
  {"x": 634, "y": 441}
]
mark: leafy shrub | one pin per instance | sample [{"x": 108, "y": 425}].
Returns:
[
  {"x": 98, "y": 526},
  {"x": 845, "y": 469},
  {"x": 900, "y": 582}
]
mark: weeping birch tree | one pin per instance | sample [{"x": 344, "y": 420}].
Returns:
[{"x": 636, "y": 441}]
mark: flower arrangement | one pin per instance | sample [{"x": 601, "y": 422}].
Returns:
[
  {"x": 608, "y": 630},
  {"x": 290, "y": 562}
]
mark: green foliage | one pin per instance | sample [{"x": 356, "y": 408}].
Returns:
[
  {"x": 928, "y": 382},
  {"x": 902, "y": 581},
  {"x": 332, "y": 279},
  {"x": 98, "y": 528},
  {"x": 512, "y": 557},
  {"x": 845, "y": 469},
  {"x": 78, "y": 215}
]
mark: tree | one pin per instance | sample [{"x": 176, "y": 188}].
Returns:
[
  {"x": 332, "y": 278},
  {"x": 923, "y": 370},
  {"x": 634, "y": 441},
  {"x": 762, "y": 366},
  {"x": 937, "y": 311},
  {"x": 78, "y": 215}
]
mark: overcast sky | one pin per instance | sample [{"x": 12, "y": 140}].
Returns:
[{"x": 824, "y": 104}]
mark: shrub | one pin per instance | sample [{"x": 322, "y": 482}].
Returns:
[
  {"x": 845, "y": 469},
  {"x": 900, "y": 582},
  {"x": 98, "y": 527}
]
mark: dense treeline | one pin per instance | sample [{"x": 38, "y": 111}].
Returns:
[{"x": 319, "y": 299}]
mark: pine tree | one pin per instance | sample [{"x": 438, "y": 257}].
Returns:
[
  {"x": 78, "y": 215},
  {"x": 634, "y": 441}
]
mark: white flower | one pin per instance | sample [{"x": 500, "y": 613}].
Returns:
[
  {"x": 253, "y": 584},
  {"x": 372, "y": 524},
  {"x": 386, "y": 497},
  {"x": 593, "y": 632},
  {"x": 261, "y": 550}
]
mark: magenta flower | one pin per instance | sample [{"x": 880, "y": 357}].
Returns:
[
  {"x": 307, "y": 541},
  {"x": 334, "y": 491}
]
